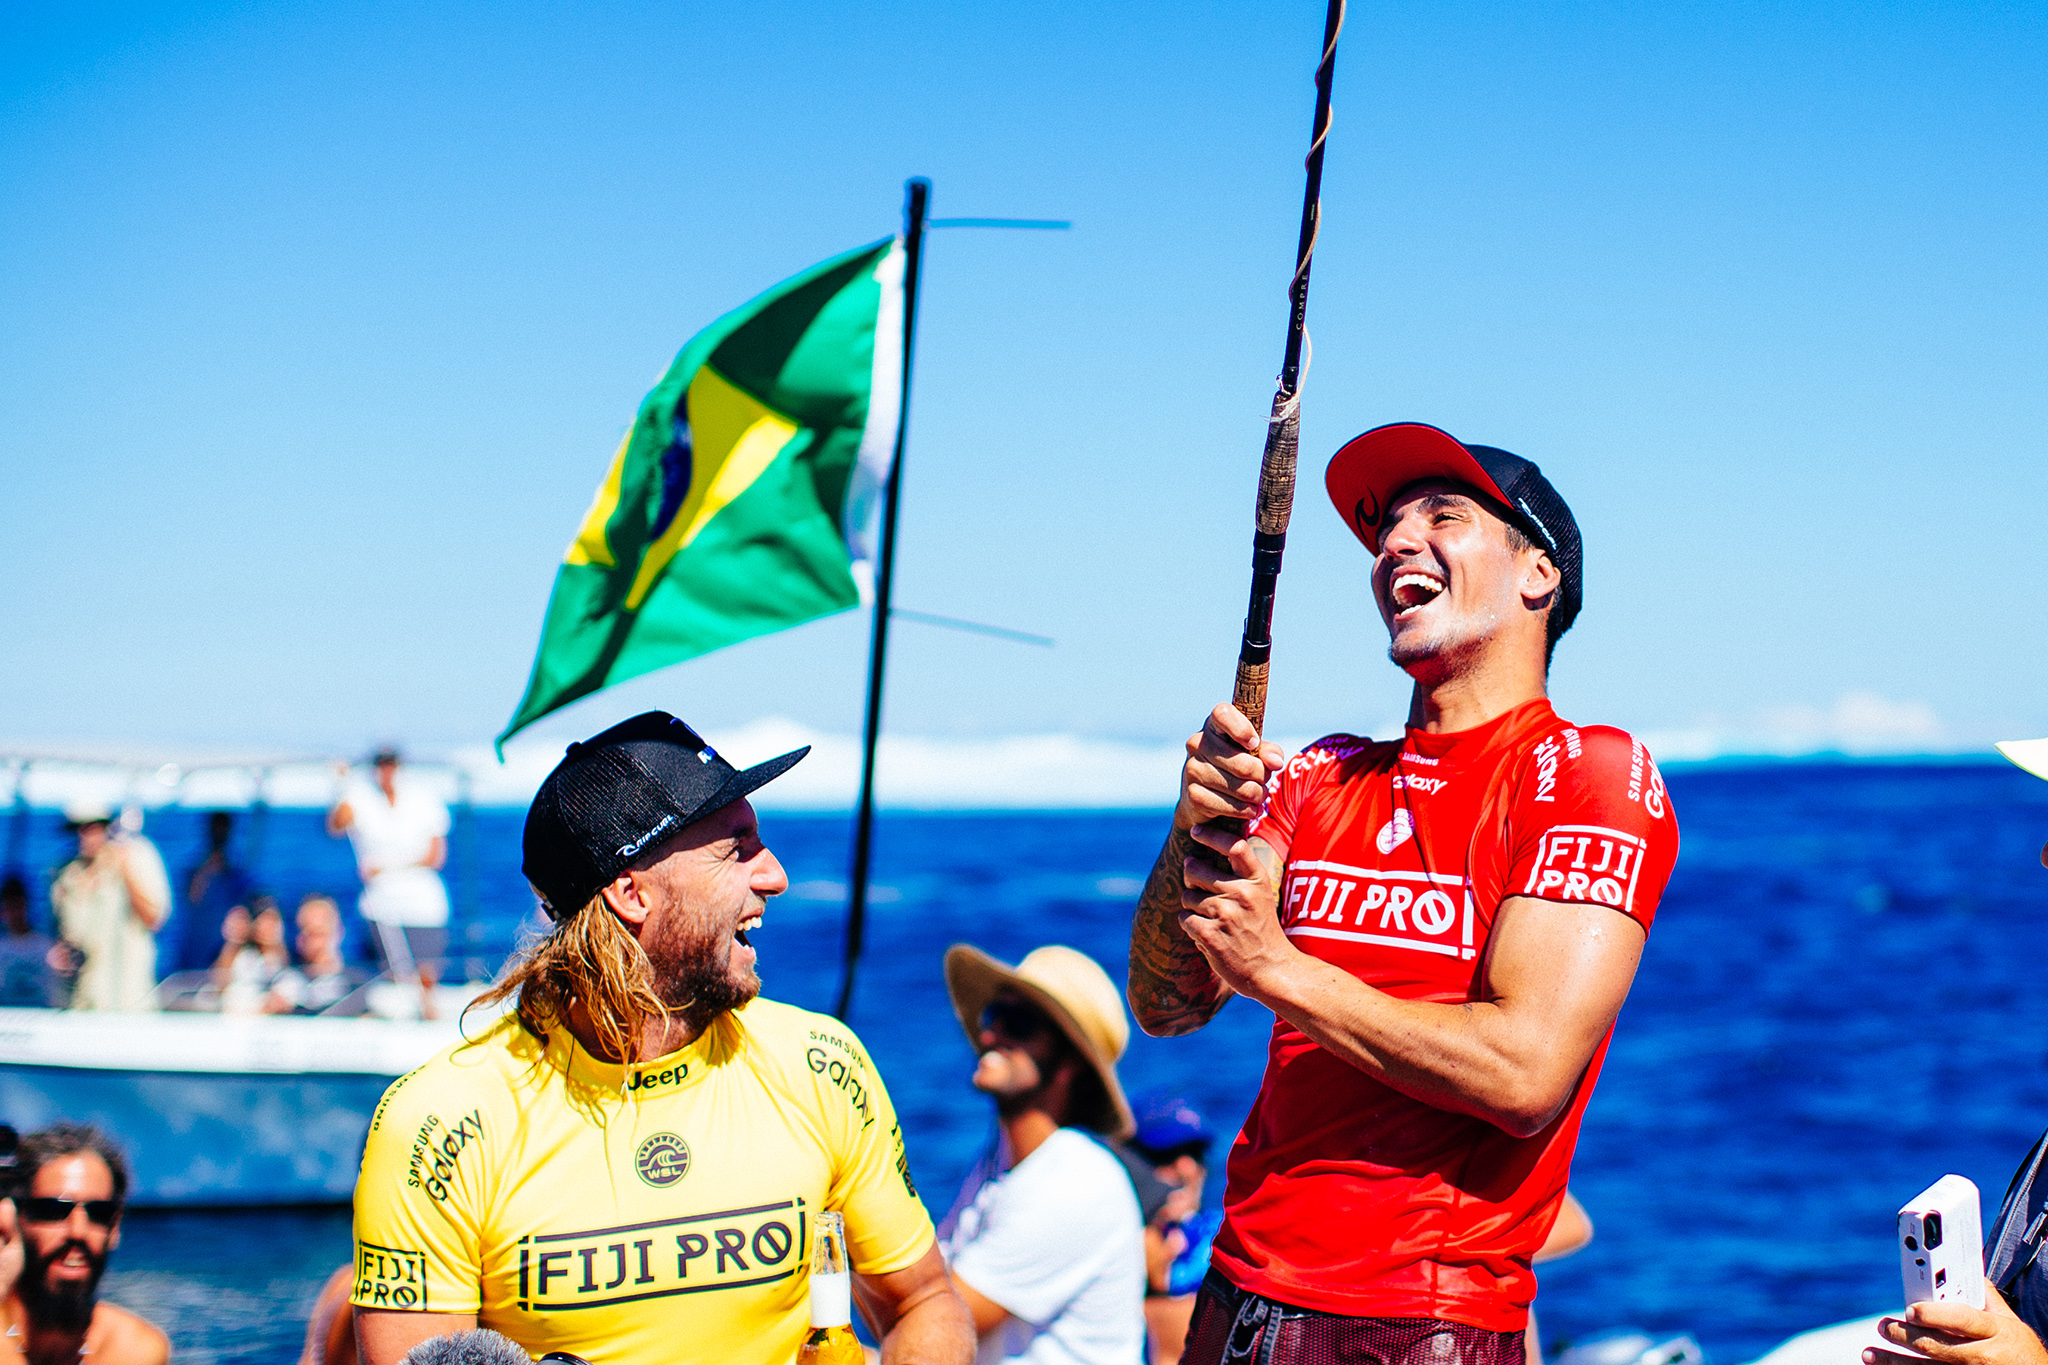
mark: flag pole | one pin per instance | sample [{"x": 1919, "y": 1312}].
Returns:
[{"x": 917, "y": 199}]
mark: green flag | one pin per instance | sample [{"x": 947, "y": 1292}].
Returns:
[{"x": 742, "y": 499}]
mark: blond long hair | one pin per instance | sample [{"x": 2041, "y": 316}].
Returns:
[{"x": 587, "y": 957}]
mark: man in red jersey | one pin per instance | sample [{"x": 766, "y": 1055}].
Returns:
[{"x": 1445, "y": 926}]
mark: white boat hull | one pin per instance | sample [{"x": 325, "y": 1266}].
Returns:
[{"x": 214, "y": 1109}]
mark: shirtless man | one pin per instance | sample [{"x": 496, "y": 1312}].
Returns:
[
  {"x": 1444, "y": 925},
  {"x": 73, "y": 1184}
]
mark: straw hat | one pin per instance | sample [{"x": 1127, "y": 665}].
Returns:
[
  {"x": 2031, "y": 754},
  {"x": 1074, "y": 992},
  {"x": 82, "y": 812}
]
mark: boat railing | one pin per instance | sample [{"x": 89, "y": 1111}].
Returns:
[
  {"x": 374, "y": 993},
  {"x": 158, "y": 777}
]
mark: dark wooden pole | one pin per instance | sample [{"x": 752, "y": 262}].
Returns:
[
  {"x": 917, "y": 201},
  {"x": 1283, "y": 426}
]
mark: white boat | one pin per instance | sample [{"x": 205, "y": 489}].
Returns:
[
  {"x": 217, "y": 1109},
  {"x": 1839, "y": 1344}
]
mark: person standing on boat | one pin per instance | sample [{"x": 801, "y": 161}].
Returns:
[
  {"x": 213, "y": 888},
  {"x": 628, "y": 1166},
  {"x": 1445, "y": 926},
  {"x": 400, "y": 834},
  {"x": 74, "y": 1183},
  {"x": 1046, "y": 1240},
  {"x": 110, "y": 900}
]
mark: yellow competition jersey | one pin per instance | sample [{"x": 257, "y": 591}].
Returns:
[{"x": 651, "y": 1213}]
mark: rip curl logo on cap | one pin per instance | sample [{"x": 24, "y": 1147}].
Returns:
[
  {"x": 1365, "y": 521},
  {"x": 629, "y": 850},
  {"x": 662, "y": 1160}
]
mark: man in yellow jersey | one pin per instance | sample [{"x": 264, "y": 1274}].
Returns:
[{"x": 628, "y": 1167}]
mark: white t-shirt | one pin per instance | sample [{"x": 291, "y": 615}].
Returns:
[
  {"x": 1058, "y": 1241},
  {"x": 393, "y": 837}
]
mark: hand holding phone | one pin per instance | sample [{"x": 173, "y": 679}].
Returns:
[{"x": 1941, "y": 1244}]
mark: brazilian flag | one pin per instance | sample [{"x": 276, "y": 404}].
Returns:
[{"x": 742, "y": 499}]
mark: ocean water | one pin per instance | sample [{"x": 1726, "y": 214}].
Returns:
[{"x": 1840, "y": 1002}]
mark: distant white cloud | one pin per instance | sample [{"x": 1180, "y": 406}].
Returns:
[
  {"x": 1010, "y": 772},
  {"x": 1014, "y": 772},
  {"x": 1859, "y": 724},
  {"x": 1052, "y": 771}
]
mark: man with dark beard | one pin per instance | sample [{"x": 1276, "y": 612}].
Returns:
[
  {"x": 73, "y": 1182},
  {"x": 629, "y": 1166},
  {"x": 1046, "y": 1240}
]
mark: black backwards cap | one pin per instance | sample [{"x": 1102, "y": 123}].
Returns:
[
  {"x": 621, "y": 792},
  {"x": 1371, "y": 469}
]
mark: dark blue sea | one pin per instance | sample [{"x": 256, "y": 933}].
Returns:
[{"x": 1841, "y": 1001}]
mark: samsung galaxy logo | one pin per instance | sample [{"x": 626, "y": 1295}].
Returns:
[{"x": 628, "y": 850}]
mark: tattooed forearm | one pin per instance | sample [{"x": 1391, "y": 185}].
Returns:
[{"x": 1173, "y": 990}]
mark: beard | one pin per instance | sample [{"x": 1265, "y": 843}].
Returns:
[
  {"x": 1444, "y": 648},
  {"x": 693, "y": 972},
  {"x": 68, "y": 1308}
]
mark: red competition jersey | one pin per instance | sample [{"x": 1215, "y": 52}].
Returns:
[{"x": 1344, "y": 1194}]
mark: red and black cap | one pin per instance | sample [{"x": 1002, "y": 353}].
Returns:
[
  {"x": 1370, "y": 471},
  {"x": 618, "y": 794}
]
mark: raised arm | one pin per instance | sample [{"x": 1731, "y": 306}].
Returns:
[
  {"x": 1173, "y": 989},
  {"x": 340, "y": 815},
  {"x": 149, "y": 886}
]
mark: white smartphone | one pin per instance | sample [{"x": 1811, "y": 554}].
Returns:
[{"x": 1941, "y": 1244}]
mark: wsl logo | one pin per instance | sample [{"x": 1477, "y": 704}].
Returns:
[{"x": 662, "y": 1160}]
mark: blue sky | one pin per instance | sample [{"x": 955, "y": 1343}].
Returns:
[{"x": 322, "y": 322}]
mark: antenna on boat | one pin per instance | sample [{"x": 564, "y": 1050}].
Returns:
[
  {"x": 259, "y": 823},
  {"x": 468, "y": 927},
  {"x": 17, "y": 826}
]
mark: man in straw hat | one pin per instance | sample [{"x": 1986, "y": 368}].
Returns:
[
  {"x": 1445, "y": 926},
  {"x": 1045, "y": 1241},
  {"x": 628, "y": 1166}
]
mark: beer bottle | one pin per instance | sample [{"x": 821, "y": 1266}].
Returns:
[{"x": 831, "y": 1341}]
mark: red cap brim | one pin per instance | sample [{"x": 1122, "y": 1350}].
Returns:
[{"x": 1365, "y": 475}]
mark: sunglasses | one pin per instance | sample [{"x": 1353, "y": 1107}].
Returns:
[
  {"x": 44, "y": 1209},
  {"x": 1013, "y": 1019}
]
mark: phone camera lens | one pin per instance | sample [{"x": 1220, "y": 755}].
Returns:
[
  {"x": 1912, "y": 1244},
  {"x": 1930, "y": 1231}
]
